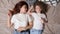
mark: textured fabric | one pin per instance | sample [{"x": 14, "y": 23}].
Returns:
[{"x": 51, "y": 2}]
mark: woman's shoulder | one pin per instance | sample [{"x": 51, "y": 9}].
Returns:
[{"x": 15, "y": 15}]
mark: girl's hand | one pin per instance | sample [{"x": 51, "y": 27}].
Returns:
[
  {"x": 42, "y": 20},
  {"x": 30, "y": 9}
]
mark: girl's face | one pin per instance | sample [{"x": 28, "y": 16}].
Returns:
[
  {"x": 37, "y": 9},
  {"x": 23, "y": 9}
]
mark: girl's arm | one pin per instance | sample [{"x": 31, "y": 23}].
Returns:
[
  {"x": 30, "y": 9},
  {"x": 43, "y": 20},
  {"x": 31, "y": 21}
]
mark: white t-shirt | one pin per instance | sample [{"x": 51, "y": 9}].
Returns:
[
  {"x": 20, "y": 20},
  {"x": 37, "y": 24}
]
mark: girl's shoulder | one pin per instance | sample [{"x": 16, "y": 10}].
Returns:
[
  {"x": 43, "y": 15},
  {"x": 33, "y": 13}
]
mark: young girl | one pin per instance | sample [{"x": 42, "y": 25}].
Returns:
[
  {"x": 20, "y": 20},
  {"x": 39, "y": 17}
]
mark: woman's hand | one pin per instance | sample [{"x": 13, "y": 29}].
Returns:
[
  {"x": 21, "y": 29},
  {"x": 9, "y": 19},
  {"x": 10, "y": 13}
]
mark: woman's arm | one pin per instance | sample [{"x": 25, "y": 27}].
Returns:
[
  {"x": 9, "y": 24},
  {"x": 25, "y": 28},
  {"x": 30, "y": 25},
  {"x": 30, "y": 22}
]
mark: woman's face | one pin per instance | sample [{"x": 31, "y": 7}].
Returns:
[
  {"x": 23, "y": 9},
  {"x": 37, "y": 9}
]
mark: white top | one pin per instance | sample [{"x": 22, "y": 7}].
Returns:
[
  {"x": 37, "y": 24},
  {"x": 20, "y": 20}
]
